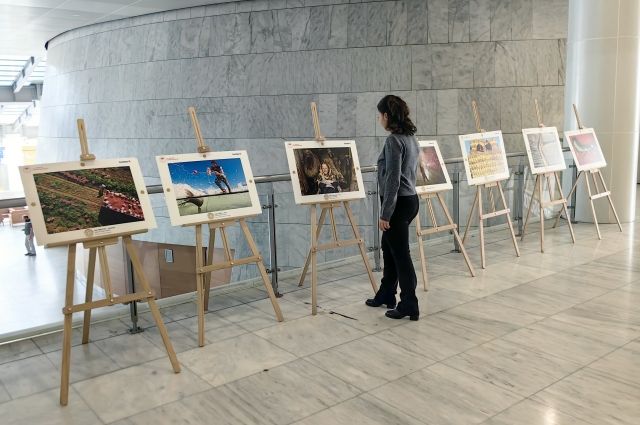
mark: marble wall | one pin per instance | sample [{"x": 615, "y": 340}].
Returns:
[{"x": 252, "y": 67}]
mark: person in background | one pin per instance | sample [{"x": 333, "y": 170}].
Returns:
[
  {"x": 397, "y": 166},
  {"x": 28, "y": 237}
]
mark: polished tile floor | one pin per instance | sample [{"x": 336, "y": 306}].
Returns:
[{"x": 545, "y": 339}]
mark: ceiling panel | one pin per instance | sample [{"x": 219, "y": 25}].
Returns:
[{"x": 26, "y": 25}]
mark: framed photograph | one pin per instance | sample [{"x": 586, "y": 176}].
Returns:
[
  {"x": 327, "y": 171},
  {"x": 212, "y": 186},
  {"x": 432, "y": 174},
  {"x": 543, "y": 149},
  {"x": 84, "y": 200},
  {"x": 585, "y": 149},
  {"x": 485, "y": 159}
]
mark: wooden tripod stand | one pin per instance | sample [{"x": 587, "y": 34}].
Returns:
[
  {"x": 479, "y": 203},
  {"x": 205, "y": 266},
  {"x": 316, "y": 228},
  {"x": 97, "y": 248},
  {"x": 435, "y": 228},
  {"x": 538, "y": 195},
  {"x": 598, "y": 192}
]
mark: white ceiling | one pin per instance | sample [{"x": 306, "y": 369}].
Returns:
[{"x": 25, "y": 25}]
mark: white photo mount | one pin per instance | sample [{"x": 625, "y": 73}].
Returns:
[
  {"x": 492, "y": 156},
  {"x": 584, "y": 163},
  {"x": 432, "y": 145},
  {"x": 56, "y": 173},
  {"x": 538, "y": 161},
  {"x": 314, "y": 146},
  {"x": 171, "y": 191}
]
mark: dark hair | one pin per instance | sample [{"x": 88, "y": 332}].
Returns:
[{"x": 398, "y": 115}]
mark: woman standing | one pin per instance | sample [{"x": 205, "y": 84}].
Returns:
[{"x": 397, "y": 166}]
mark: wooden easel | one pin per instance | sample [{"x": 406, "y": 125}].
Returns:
[
  {"x": 205, "y": 266},
  {"x": 436, "y": 228},
  {"x": 97, "y": 248},
  {"x": 598, "y": 193},
  {"x": 478, "y": 202},
  {"x": 538, "y": 188},
  {"x": 316, "y": 228}
]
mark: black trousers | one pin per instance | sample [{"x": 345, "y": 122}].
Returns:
[{"x": 398, "y": 267}]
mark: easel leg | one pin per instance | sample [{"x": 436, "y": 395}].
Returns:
[
  {"x": 473, "y": 207},
  {"x": 481, "y": 227},
  {"x": 513, "y": 235},
  {"x": 89, "y": 295},
  {"x": 593, "y": 208},
  {"x": 363, "y": 251},
  {"x": 68, "y": 320},
  {"x": 564, "y": 206},
  {"x": 423, "y": 258},
  {"x": 207, "y": 278},
  {"x": 615, "y": 214},
  {"x": 323, "y": 214},
  {"x": 200, "y": 296},
  {"x": 541, "y": 205},
  {"x": 137, "y": 268},
  {"x": 314, "y": 260},
  {"x": 573, "y": 189},
  {"x": 263, "y": 271},
  {"x": 526, "y": 220},
  {"x": 456, "y": 234}
]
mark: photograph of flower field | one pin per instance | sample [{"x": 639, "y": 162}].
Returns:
[{"x": 83, "y": 199}]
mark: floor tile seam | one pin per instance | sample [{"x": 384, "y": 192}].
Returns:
[
  {"x": 25, "y": 358},
  {"x": 498, "y": 385},
  {"x": 420, "y": 419},
  {"x": 136, "y": 364},
  {"x": 581, "y": 369},
  {"x": 84, "y": 400},
  {"x": 326, "y": 408},
  {"x": 181, "y": 399},
  {"x": 531, "y": 400},
  {"x": 7, "y": 391},
  {"x": 306, "y": 356},
  {"x": 279, "y": 347}
]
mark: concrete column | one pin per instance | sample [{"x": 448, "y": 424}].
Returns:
[{"x": 603, "y": 80}]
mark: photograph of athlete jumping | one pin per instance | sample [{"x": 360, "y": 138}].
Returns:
[{"x": 209, "y": 185}]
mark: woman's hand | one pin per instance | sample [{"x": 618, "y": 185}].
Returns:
[{"x": 383, "y": 225}]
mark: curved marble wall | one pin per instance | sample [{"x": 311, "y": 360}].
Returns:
[{"x": 252, "y": 67}]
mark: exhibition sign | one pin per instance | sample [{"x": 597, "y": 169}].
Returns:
[
  {"x": 484, "y": 157},
  {"x": 543, "y": 149},
  {"x": 432, "y": 174},
  {"x": 585, "y": 149},
  {"x": 204, "y": 187},
  {"x": 78, "y": 201},
  {"x": 324, "y": 171}
]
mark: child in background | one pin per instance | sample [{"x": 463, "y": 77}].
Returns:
[{"x": 28, "y": 237}]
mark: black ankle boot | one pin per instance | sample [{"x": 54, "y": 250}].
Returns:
[
  {"x": 372, "y": 302},
  {"x": 395, "y": 314}
]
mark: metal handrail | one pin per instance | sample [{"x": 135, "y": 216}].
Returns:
[{"x": 156, "y": 188}]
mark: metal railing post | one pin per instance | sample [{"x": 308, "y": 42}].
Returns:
[
  {"x": 574, "y": 196},
  {"x": 131, "y": 288},
  {"x": 456, "y": 206},
  {"x": 518, "y": 197},
  {"x": 273, "y": 248},
  {"x": 376, "y": 230}
]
